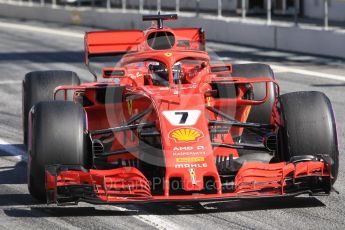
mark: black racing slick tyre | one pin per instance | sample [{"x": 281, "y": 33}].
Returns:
[
  {"x": 259, "y": 113},
  {"x": 57, "y": 137},
  {"x": 39, "y": 86},
  {"x": 308, "y": 127}
]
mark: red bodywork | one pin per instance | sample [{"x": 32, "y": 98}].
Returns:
[{"x": 191, "y": 153}]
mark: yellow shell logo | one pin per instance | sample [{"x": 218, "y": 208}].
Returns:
[
  {"x": 168, "y": 54},
  {"x": 185, "y": 134}
]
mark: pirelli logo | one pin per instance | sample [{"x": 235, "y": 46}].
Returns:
[{"x": 190, "y": 159}]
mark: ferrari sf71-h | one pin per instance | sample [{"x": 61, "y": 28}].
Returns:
[{"x": 163, "y": 122}]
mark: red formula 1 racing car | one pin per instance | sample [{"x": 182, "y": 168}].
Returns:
[{"x": 165, "y": 123}]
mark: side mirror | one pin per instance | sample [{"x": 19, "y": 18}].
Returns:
[
  {"x": 113, "y": 72},
  {"x": 221, "y": 69}
]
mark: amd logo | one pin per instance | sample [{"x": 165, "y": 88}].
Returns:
[{"x": 188, "y": 148}]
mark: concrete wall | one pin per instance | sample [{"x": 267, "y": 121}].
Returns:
[
  {"x": 311, "y": 41},
  {"x": 228, "y": 5},
  {"x": 315, "y": 9},
  {"x": 296, "y": 39}
]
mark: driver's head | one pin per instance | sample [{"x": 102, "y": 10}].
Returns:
[{"x": 160, "y": 74}]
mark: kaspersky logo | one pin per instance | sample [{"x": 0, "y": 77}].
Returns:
[{"x": 185, "y": 135}]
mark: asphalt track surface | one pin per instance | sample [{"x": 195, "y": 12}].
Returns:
[{"x": 24, "y": 49}]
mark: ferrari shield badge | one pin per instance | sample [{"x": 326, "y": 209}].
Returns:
[
  {"x": 130, "y": 106},
  {"x": 192, "y": 175},
  {"x": 168, "y": 54}
]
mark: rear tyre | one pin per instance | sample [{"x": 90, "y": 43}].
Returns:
[
  {"x": 57, "y": 137},
  {"x": 39, "y": 86},
  {"x": 258, "y": 113},
  {"x": 308, "y": 127}
]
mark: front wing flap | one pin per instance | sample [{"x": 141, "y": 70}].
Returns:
[{"x": 72, "y": 184}]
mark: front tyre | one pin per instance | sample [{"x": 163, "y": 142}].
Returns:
[
  {"x": 57, "y": 137},
  {"x": 308, "y": 127}
]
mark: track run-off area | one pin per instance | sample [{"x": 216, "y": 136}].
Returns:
[{"x": 28, "y": 46}]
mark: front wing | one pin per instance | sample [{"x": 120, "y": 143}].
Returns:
[{"x": 72, "y": 184}]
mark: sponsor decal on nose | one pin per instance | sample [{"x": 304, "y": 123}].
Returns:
[{"x": 185, "y": 134}]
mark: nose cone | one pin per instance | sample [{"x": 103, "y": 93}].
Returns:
[{"x": 186, "y": 141}]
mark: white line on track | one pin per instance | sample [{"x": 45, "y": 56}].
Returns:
[
  {"x": 37, "y": 29},
  {"x": 284, "y": 69},
  {"x": 152, "y": 220},
  {"x": 13, "y": 150},
  {"x": 308, "y": 73},
  {"x": 10, "y": 82}
]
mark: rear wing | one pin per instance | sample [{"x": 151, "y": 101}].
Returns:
[
  {"x": 105, "y": 43},
  {"x": 190, "y": 38}
]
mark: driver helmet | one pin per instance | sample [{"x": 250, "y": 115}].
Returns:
[{"x": 160, "y": 74}]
